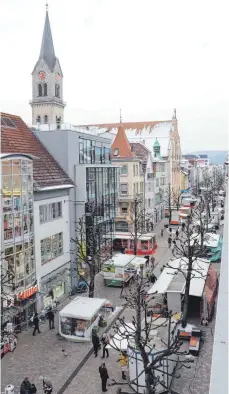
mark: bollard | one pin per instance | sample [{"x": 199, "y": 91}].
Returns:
[{"x": 9, "y": 389}]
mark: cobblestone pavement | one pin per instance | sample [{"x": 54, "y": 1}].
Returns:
[{"x": 42, "y": 354}]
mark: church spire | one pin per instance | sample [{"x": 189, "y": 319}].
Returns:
[{"x": 47, "y": 48}]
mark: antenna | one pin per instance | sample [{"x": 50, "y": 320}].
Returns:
[
  {"x": 120, "y": 114},
  {"x": 47, "y": 7}
]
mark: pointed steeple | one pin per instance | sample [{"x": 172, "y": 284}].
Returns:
[
  {"x": 121, "y": 147},
  {"x": 47, "y": 49}
]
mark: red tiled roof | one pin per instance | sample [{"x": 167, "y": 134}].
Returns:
[
  {"x": 122, "y": 144},
  {"x": 46, "y": 171},
  {"x": 128, "y": 125}
]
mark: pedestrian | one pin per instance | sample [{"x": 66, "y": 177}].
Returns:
[
  {"x": 162, "y": 232},
  {"x": 177, "y": 233},
  {"x": 183, "y": 226},
  {"x": 51, "y": 318},
  {"x": 47, "y": 386},
  {"x": 123, "y": 363},
  {"x": 147, "y": 261},
  {"x": 36, "y": 324},
  {"x": 105, "y": 341},
  {"x": 33, "y": 389},
  {"x": 169, "y": 241},
  {"x": 95, "y": 342},
  {"x": 153, "y": 278},
  {"x": 104, "y": 376},
  {"x": 25, "y": 386},
  {"x": 170, "y": 230},
  {"x": 152, "y": 261}
]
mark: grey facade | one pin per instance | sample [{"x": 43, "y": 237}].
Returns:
[{"x": 86, "y": 159}]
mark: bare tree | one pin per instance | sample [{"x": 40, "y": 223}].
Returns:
[
  {"x": 91, "y": 250},
  {"x": 140, "y": 339},
  {"x": 172, "y": 199}
]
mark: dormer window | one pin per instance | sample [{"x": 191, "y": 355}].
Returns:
[
  {"x": 115, "y": 152},
  {"x": 57, "y": 90}
]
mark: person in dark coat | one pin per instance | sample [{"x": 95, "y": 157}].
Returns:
[
  {"x": 177, "y": 233},
  {"x": 169, "y": 242},
  {"x": 104, "y": 376},
  {"x": 25, "y": 386},
  {"x": 51, "y": 318},
  {"x": 105, "y": 342},
  {"x": 95, "y": 342},
  {"x": 36, "y": 324}
]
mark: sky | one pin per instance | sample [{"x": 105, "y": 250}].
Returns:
[{"x": 146, "y": 57}]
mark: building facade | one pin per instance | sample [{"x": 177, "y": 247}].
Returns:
[
  {"x": 86, "y": 158},
  {"x": 17, "y": 241},
  {"x": 34, "y": 249},
  {"x": 47, "y": 83},
  {"x": 167, "y": 134},
  {"x": 132, "y": 181}
]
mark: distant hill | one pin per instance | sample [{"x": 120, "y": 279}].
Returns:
[{"x": 215, "y": 156}]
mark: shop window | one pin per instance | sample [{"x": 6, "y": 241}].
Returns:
[{"x": 51, "y": 247}]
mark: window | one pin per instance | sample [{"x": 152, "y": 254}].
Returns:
[
  {"x": 50, "y": 212},
  {"x": 124, "y": 209},
  {"x": 121, "y": 226},
  {"x": 38, "y": 119},
  {"x": 149, "y": 202},
  {"x": 51, "y": 247},
  {"x": 162, "y": 181},
  {"x": 81, "y": 155},
  {"x": 134, "y": 169},
  {"x": 124, "y": 189},
  {"x": 45, "y": 89},
  {"x": 149, "y": 186},
  {"x": 137, "y": 188},
  {"x": 134, "y": 189},
  {"x": 115, "y": 153},
  {"x": 46, "y": 119},
  {"x": 39, "y": 90},
  {"x": 141, "y": 187},
  {"x": 157, "y": 182},
  {"x": 124, "y": 170},
  {"x": 57, "y": 90}
]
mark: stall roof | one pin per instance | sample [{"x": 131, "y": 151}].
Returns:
[
  {"x": 141, "y": 237},
  {"x": 171, "y": 278},
  {"x": 211, "y": 240},
  {"x": 83, "y": 308},
  {"x": 121, "y": 260}
]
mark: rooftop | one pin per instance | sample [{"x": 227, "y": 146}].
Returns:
[
  {"x": 18, "y": 138},
  {"x": 121, "y": 148}
]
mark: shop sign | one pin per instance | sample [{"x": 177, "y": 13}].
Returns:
[{"x": 23, "y": 295}]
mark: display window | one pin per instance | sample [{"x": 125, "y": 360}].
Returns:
[{"x": 73, "y": 326}]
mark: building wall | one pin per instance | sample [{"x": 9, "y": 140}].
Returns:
[{"x": 48, "y": 229}]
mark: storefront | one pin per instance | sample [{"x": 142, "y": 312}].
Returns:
[{"x": 54, "y": 286}]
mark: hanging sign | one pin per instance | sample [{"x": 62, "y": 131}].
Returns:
[{"x": 23, "y": 295}]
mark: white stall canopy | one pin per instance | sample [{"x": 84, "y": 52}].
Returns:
[{"x": 82, "y": 308}]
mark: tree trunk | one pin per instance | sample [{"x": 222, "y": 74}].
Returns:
[
  {"x": 170, "y": 206},
  {"x": 188, "y": 277},
  {"x": 92, "y": 281}
]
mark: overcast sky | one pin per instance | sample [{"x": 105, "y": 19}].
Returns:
[{"x": 145, "y": 56}]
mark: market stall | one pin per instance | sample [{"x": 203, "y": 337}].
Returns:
[
  {"x": 120, "y": 269},
  {"x": 77, "y": 319}
]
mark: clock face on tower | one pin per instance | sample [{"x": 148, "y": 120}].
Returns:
[
  {"x": 57, "y": 76},
  {"x": 42, "y": 75}
]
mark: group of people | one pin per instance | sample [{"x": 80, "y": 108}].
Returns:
[
  {"x": 30, "y": 388},
  {"x": 104, "y": 373},
  {"x": 36, "y": 321}
]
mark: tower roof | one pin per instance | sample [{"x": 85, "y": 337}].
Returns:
[
  {"x": 121, "y": 147},
  {"x": 47, "y": 48},
  {"x": 156, "y": 143}
]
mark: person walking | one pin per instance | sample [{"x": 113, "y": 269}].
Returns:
[
  {"x": 147, "y": 261},
  {"x": 177, "y": 233},
  {"x": 153, "y": 278},
  {"x": 169, "y": 241},
  {"x": 123, "y": 363},
  {"x": 51, "y": 318},
  {"x": 95, "y": 342},
  {"x": 152, "y": 262},
  {"x": 47, "y": 386},
  {"x": 104, "y": 376},
  {"x": 122, "y": 288},
  {"x": 25, "y": 386},
  {"x": 105, "y": 341},
  {"x": 36, "y": 324}
]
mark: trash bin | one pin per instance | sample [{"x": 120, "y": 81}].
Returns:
[{"x": 9, "y": 389}]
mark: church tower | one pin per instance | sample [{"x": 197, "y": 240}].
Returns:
[{"x": 47, "y": 83}]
